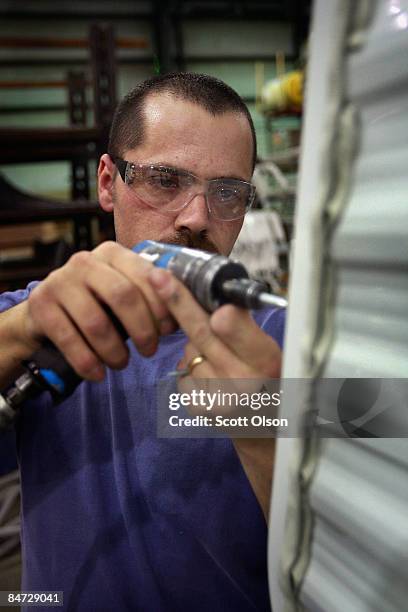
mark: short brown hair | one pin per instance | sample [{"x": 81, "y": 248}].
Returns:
[{"x": 215, "y": 96}]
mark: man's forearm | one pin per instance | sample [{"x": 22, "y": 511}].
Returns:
[
  {"x": 14, "y": 345},
  {"x": 257, "y": 458}
]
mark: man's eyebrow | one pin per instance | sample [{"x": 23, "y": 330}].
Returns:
[
  {"x": 231, "y": 177},
  {"x": 185, "y": 170},
  {"x": 171, "y": 167}
]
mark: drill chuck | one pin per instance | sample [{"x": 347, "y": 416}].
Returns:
[{"x": 213, "y": 279}]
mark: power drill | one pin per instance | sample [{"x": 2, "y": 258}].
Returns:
[{"x": 214, "y": 280}]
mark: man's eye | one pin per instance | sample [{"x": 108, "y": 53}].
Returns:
[
  {"x": 164, "y": 181},
  {"x": 226, "y": 194}
]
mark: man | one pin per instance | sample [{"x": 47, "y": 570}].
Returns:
[{"x": 113, "y": 516}]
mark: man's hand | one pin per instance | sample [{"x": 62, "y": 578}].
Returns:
[
  {"x": 67, "y": 308},
  {"x": 234, "y": 347},
  {"x": 231, "y": 342}
]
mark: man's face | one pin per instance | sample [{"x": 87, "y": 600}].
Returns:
[{"x": 183, "y": 135}]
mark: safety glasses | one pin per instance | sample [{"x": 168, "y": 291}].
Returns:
[{"x": 171, "y": 189}]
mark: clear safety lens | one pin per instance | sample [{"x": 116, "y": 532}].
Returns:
[{"x": 170, "y": 189}]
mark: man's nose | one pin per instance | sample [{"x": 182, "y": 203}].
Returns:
[{"x": 194, "y": 216}]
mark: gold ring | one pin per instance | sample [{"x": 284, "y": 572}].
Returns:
[{"x": 195, "y": 361}]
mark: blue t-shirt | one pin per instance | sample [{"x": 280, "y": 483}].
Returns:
[{"x": 119, "y": 519}]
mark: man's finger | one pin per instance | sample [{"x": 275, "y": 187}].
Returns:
[
  {"x": 193, "y": 319},
  {"x": 200, "y": 370},
  {"x": 66, "y": 337},
  {"x": 136, "y": 269},
  {"x": 238, "y": 330}
]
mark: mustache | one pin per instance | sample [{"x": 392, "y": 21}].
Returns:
[{"x": 192, "y": 241}]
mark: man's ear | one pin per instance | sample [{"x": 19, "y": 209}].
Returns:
[{"x": 106, "y": 177}]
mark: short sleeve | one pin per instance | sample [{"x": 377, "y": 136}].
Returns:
[{"x": 8, "y": 299}]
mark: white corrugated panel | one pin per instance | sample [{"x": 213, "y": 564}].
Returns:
[
  {"x": 370, "y": 246},
  {"x": 359, "y": 493},
  {"x": 360, "y": 541},
  {"x": 354, "y": 492}
]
